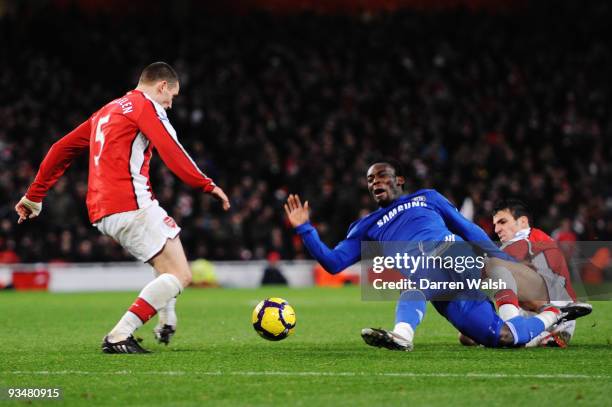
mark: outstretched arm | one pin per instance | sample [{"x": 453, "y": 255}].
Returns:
[
  {"x": 467, "y": 230},
  {"x": 163, "y": 136},
  {"x": 57, "y": 160},
  {"x": 346, "y": 253}
]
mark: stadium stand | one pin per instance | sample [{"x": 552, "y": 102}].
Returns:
[{"x": 478, "y": 105}]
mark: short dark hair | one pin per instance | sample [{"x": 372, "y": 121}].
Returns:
[
  {"x": 158, "y": 71},
  {"x": 396, "y": 165},
  {"x": 515, "y": 206}
]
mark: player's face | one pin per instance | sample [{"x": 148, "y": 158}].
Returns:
[
  {"x": 165, "y": 94},
  {"x": 506, "y": 225},
  {"x": 383, "y": 184}
]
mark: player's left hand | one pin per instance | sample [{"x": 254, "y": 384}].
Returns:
[
  {"x": 220, "y": 195},
  {"x": 27, "y": 209}
]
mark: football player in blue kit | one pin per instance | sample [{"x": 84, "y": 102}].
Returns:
[{"x": 424, "y": 217}]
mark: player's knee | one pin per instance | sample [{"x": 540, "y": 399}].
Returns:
[
  {"x": 505, "y": 337},
  {"x": 185, "y": 278},
  {"x": 188, "y": 278},
  {"x": 466, "y": 340}
]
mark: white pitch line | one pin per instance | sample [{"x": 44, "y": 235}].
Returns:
[{"x": 471, "y": 375}]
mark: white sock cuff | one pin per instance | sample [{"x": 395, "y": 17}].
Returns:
[
  {"x": 171, "y": 279},
  {"x": 159, "y": 291},
  {"x": 508, "y": 311},
  {"x": 171, "y": 304},
  {"x": 548, "y": 318},
  {"x": 405, "y": 330}
]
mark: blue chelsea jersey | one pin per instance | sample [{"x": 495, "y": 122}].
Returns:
[
  {"x": 424, "y": 216},
  {"x": 413, "y": 217}
]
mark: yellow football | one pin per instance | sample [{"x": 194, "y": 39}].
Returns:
[{"x": 273, "y": 319}]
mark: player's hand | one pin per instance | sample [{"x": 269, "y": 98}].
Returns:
[
  {"x": 220, "y": 195},
  {"x": 296, "y": 212},
  {"x": 27, "y": 209}
]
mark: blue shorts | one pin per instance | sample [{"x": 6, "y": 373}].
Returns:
[
  {"x": 476, "y": 319},
  {"x": 428, "y": 278}
]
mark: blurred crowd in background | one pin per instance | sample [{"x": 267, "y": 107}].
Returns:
[{"x": 479, "y": 106}]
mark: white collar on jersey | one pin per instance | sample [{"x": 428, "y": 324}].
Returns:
[
  {"x": 521, "y": 234},
  {"x": 158, "y": 108}
]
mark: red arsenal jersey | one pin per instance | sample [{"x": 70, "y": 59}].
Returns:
[
  {"x": 542, "y": 251},
  {"x": 121, "y": 137}
]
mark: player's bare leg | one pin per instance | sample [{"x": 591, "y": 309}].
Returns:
[
  {"x": 173, "y": 261},
  {"x": 522, "y": 284},
  {"x": 175, "y": 254},
  {"x": 531, "y": 285},
  {"x": 175, "y": 274}
]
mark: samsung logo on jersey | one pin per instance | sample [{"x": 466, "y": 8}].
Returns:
[{"x": 418, "y": 201}]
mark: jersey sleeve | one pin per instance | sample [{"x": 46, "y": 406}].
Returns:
[
  {"x": 469, "y": 231},
  {"x": 58, "y": 159},
  {"x": 159, "y": 131},
  {"x": 346, "y": 253},
  {"x": 520, "y": 250}
]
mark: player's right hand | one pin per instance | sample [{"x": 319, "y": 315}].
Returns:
[
  {"x": 296, "y": 212},
  {"x": 27, "y": 209},
  {"x": 220, "y": 195}
]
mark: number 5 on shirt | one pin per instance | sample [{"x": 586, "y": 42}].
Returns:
[{"x": 100, "y": 136}]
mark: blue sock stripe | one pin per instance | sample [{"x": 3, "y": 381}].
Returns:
[
  {"x": 512, "y": 328},
  {"x": 420, "y": 315},
  {"x": 410, "y": 308}
]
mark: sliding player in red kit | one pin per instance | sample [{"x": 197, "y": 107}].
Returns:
[
  {"x": 528, "y": 244},
  {"x": 120, "y": 138}
]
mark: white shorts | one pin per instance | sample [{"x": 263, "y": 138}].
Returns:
[
  {"x": 143, "y": 232},
  {"x": 555, "y": 285}
]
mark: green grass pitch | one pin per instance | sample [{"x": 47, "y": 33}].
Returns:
[{"x": 53, "y": 340}]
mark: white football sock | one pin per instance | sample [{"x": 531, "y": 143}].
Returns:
[
  {"x": 549, "y": 318},
  {"x": 153, "y": 297},
  {"x": 404, "y": 330},
  {"x": 125, "y": 327},
  {"x": 508, "y": 311},
  {"x": 167, "y": 315},
  {"x": 500, "y": 273}
]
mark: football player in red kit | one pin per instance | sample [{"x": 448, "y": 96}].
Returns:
[
  {"x": 531, "y": 245},
  {"x": 540, "y": 251},
  {"x": 121, "y": 137}
]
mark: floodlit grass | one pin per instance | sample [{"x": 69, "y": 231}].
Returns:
[{"x": 53, "y": 340}]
